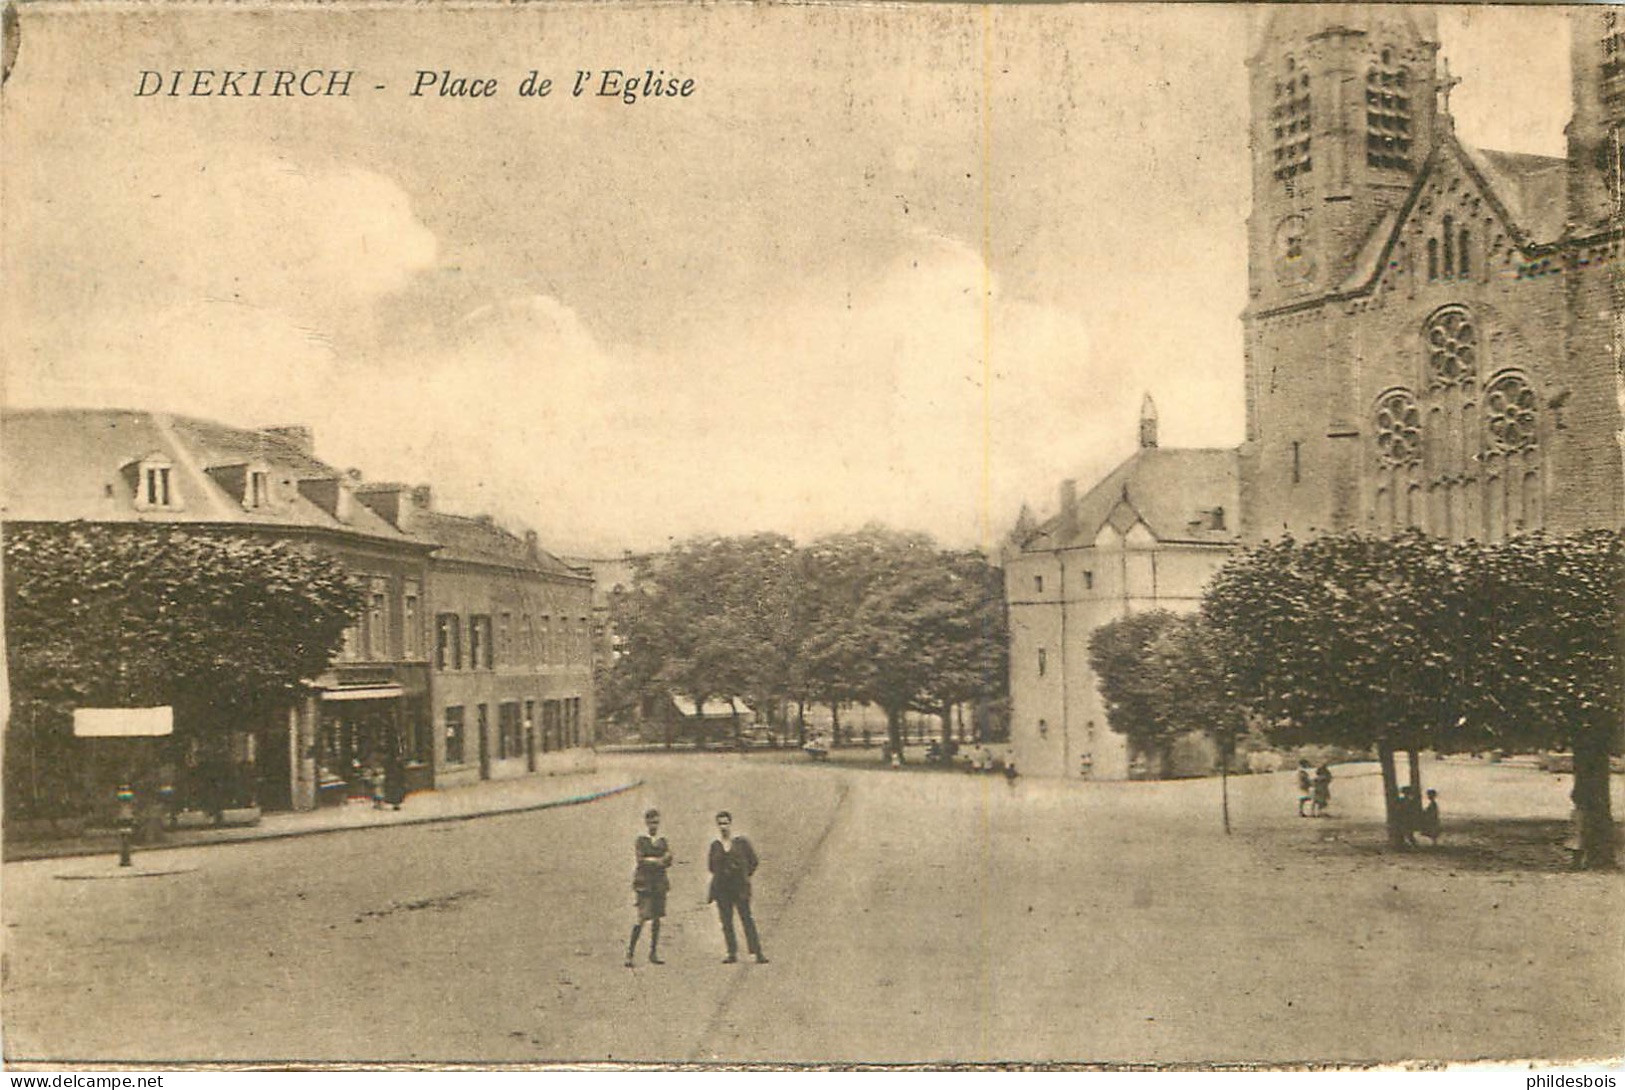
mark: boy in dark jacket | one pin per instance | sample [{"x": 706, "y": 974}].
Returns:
[
  {"x": 650, "y": 883},
  {"x": 733, "y": 861}
]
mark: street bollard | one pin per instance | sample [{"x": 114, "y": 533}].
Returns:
[{"x": 126, "y": 822}]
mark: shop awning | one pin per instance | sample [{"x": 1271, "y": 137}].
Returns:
[{"x": 364, "y": 692}]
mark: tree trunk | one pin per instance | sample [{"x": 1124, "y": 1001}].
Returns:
[
  {"x": 1593, "y": 809},
  {"x": 801, "y": 722},
  {"x": 835, "y": 723},
  {"x": 894, "y": 731},
  {"x": 1416, "y": 771},
  {"x": 947, "y": 725},
  {"x": 1390, "y": 795}
]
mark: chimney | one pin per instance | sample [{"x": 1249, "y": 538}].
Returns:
[
  {"x": 533, "y": 548},
  {"x": 423, "y": 498},
  {"x": 298, "y": 436},
  {"x": 1069, "y": 507},
  {"x": 1148, "y": 423}
]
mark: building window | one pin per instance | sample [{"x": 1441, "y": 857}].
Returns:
[
  {"x": 1399, "y": 429},
  {"x": 529, "y": 725},
  {"x": 1297, "y": 461},
  {"x": 1387, "y": 115},
  {"x": 510, "y": 731},
  {"x": 411, "y": 642},
  {"x": 1463, "y": 266},
  {"x": 454, "y": 735},
  {"x": 259, "y": 488},
  {"x": 505, "y": 638},
  {"x": 1509, "y": 414},
  {"x": 1088, "y": 580},
  {"x": 1433, "y": 259},
  {"x": 448, "y": 653},
  {"x": 1038, "y": 584},
  {"x": 479, "y": 642},
  {"x": 1043, "y": 661},
  {"x": 378, "y": 618},
  {"x": 1290, "y": 121},
  {"x": 545, "y": 632},
  {"x": 1452, "y": 345},
  {"x": 550, "y": 725},
  {"x": 1043, "y": 728}
]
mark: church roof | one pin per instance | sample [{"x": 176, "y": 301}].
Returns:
[
  {"x": 1527, "y": 191},
  {"x": 1184, "y": 495},
  {"x": 1531, "y": 187}
]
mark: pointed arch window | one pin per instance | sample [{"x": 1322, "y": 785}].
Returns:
[{"x": 1457, "y": 459}]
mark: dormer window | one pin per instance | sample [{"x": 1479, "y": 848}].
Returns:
[
  {"x": 259, "y": 488},
  {"x": 156, "y": 487}
]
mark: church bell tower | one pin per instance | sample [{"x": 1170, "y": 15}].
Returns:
[{"x": 1343, "y": 117}]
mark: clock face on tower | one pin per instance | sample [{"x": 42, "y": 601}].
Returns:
[{"x": 1293, "y": 252}]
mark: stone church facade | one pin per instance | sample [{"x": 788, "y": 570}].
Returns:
[{"x": 1433, "y": 331}]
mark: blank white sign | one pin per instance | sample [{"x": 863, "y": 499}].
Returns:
[{"x": 123, "y": 722}]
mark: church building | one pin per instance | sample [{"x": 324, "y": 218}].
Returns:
[{"x": 1432, "y": 332}]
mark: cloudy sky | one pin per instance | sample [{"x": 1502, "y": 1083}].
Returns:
[{"x": 913, "y": 264}]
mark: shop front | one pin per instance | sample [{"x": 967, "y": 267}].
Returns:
[{"x": 358, "y": 725}]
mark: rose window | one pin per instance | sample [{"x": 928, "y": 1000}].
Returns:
[
  {"x": 1452, "y": 348},
  {"x": 1399, "y": 429},
  {"x": 1509, "y": 410}
]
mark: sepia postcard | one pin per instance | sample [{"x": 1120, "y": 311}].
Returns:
[{"x": 852, "y": 534}]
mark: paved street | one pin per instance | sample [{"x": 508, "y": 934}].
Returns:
[{"x": 910, "y": 916}]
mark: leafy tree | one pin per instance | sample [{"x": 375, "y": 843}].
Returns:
[
  {"x": 1544, "y": 615},
  {"x": 842, "y": 572},
  {"x": 709, "y": 619},
  {"x": 1413, "y": 642},
  {"x": 1132, "y": 681},
  {"x": 969, "y": 637},
  {"x": 220, "y": 626}
]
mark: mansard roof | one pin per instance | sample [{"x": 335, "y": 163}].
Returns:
[
  {"x": 482, "y": 541},
  {"x": 61, "y": 465},
  {"x": 1182, "y": 495}
]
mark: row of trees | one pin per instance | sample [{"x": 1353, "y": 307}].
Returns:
[
  {"x": 218, "y": 625},
  {"x": 874, "y": 616},
  {"x": 1395, "y": 645}
]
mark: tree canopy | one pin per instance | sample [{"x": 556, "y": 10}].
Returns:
[
  {"x": 1413, "y": 642},
  {"x": 874, "y": 615},
  {"x": 211, "y": 623}
]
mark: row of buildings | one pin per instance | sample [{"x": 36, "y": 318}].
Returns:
[
  {"x": 1434, "y": 336},
  {"x": 473, "y": 656}
]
